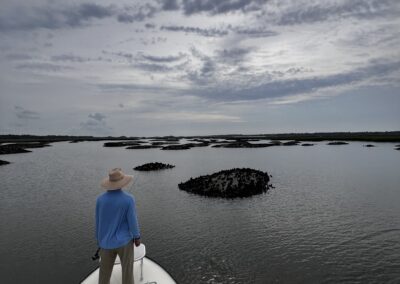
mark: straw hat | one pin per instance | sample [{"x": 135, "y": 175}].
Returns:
[{"x": 116, "y": 179}]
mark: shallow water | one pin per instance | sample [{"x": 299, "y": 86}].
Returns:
[{"x": 333, "y": 216}]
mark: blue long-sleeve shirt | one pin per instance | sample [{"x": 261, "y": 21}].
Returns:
[{"x": 116, "y": 219}]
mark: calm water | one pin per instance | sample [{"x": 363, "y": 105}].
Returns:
[{"x": 333, "y": 216}]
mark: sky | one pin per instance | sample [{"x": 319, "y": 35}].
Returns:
[{"x": 199, "y": 67}]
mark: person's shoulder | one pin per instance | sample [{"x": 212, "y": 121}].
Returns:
[
  {"x": 129, "y": 196},
  {"x": 101, "y": 196}
]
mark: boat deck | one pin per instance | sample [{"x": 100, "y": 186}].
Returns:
[
  {"x": 145, "y": 271},
  {"x": 153, "y": 273}
]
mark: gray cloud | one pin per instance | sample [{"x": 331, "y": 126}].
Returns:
[
  {"x": 170, "y": 5},
  {"x": 125, "y": 55},
  {"x": 288, "y": 87},
  {"x": 137, "y": 14},
  {"x": 213, "y": 66},
  {"x": 96, "y": 125},
  {"x": 43, "y": 67},
  {"x": 152, "y": 63},
  {"x": 289, "y": 12},
  {"x": 254, "y": 31},
  {"x": 204, "y": 74},
  {"x": 211, "y": 7},
  {"x": 147, "y": 59},
  {"x": 97, "y": 116},
  {"x": 149, "y": 26},
  {"x": 122, "y": 88},
  {"x": 153, "y": 40},
  {"x": 220, "y": 6},
  {"x": 208, "y": 68},
  {"x": 72, "y": 58},
  {"x": 206, "y": 71},
  {"x": 322, "y": 11},
  {"x": 53, "y": 16},
  {"x": 23, "y": 113},
  {"x": 170, "y": 58},
  {"x": 153, "y": 67},
  {"x": 69, "y": 58},
  {"x": 220, "y": 32},
  {"x": 19, "y": 56},
  {"x": 233, "y": 55},
  {"x": 297, "y": 70},
  {"x": 388, "y": 35},
  {"x": 211, "y": 32}
]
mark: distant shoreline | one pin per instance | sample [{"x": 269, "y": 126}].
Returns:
[{"x": 389, "y": 136}]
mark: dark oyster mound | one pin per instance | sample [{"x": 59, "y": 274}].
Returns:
[
  {"x": 122, "y": 143},
  {"x": 153, "y": 167},
  {"x": 337, "y": 143},
  {"x": 177, "y": 147},
  {"x": 291, "y": 143},
  {"x": 3, "y": 163},
  {"x": 242, "y": 144},
  {"x": 237, "y": 182},
  {"x": 142, "y": 147}
]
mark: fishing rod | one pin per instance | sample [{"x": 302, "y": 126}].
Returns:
[
  {"x": 135, "y": 179},
  {"x": 96, "y": 255}
]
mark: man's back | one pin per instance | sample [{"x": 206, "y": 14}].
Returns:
[{"x": 116, "y": 220}]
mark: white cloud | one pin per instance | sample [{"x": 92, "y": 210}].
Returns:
[{"x": 192, "y": 117}]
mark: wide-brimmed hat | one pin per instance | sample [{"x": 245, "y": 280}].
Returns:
[{"x": 116, "y": 179}]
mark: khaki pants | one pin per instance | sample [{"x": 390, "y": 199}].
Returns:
[{"x": 108, "y": 256}]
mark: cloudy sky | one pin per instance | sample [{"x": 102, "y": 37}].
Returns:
[{"x": 187, "y": 67}]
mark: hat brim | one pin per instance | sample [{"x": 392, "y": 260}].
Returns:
[{"x": 112, "y": 185}]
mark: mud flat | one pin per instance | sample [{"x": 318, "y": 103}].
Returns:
[
  {"x": 12, "y": 149},
  {"x": 32, "y": 145}
]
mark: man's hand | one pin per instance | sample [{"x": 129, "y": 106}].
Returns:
[{"x": 137, "y": 242}]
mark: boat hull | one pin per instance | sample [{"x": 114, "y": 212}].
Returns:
[{"x": 147, "y": 271}]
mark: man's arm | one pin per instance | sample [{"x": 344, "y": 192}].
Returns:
[
  {"x": 97, "y": 221},
  {"x": 133, "y": 222}
]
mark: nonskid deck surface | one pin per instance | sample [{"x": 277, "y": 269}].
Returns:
[{"x": 152, "y": 274}]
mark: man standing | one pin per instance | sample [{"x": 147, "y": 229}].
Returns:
[{"x": 117, "y": 226}]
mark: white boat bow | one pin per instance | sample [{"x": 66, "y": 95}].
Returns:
[{"x": 145, "y": 271}]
